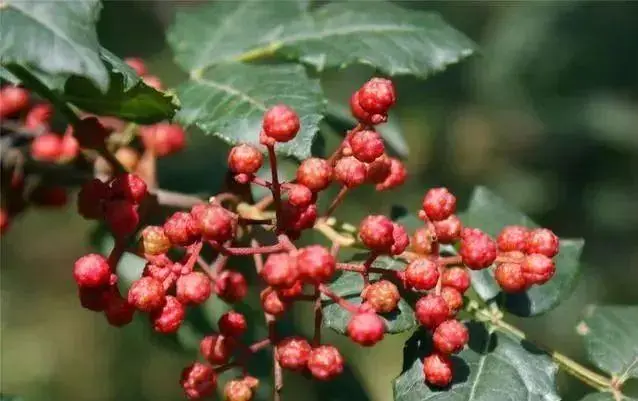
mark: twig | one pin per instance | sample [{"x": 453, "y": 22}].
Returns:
[
  {"x": 350, "y": 307},
  {"x": 337, "y": 201},
  {"x": 276, "y": 189}
]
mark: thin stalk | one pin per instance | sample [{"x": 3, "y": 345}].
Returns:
[{"x": 276, "y": 188}]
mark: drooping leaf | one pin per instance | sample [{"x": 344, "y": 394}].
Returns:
[
  {"x": 229, "y": 102},
  {"x": 610, "y": 333},
  {"x": 391, "y": 38},
  {"x": 493, "y": 367},
  {"x": 349, "y": 286},
  {"x": 339, "y": 117},
  {"x": 491, "y": 213},
  {"x": 57, "y": 38}
]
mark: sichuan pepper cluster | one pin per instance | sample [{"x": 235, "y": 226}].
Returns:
[{"x": 520, "y": 257}]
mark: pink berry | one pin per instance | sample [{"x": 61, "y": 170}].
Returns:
[
  {"x": 453, "y": 298},
  {"x": 422, "y": 274},
  {"x": 423, "y": 241},
  {"x": 92, "y": 271},
  {"x": 362, "y": 115},
  {"x": 450, "y": 337},
  {"x": 437, "y": 369},
  {"x": 168, "y": 319},
  {"x": 137, "y": 64},
  {"x": 366, "y": 329},
  {"x": 193, "y": 288},
  {"x": 376, "y": 233},
  {"x": 122, "y": 217},
  {"x": 91, "y": 199},
  {"x": 456, "y": 277},
  {"x": 245, "y": 159},
  {"x": 281, "y": 123},
  {"x": 377, "y": 96},
  {"x": 162, "y": 273},
  {"x": 383, "y": 296},
  {"x": 432, "y": 310},
  {"x": 293, "y": 353},
  {"x": 378, "y": 170},
  {"x": 13, "y": 100},
  {"x": 232, "y": 324},
  {"x": 296, "y": 219},
  {"x": 118, "y": 311},
  {"x": 366, "y": 145},
  {"x": 164, "y": 139},
  {"x": 439, "y": 204},
  {"x": 401, "y": 239},
  {"x": 129, "y": 187},
  {"x": 217, "y": 223},
  {"x": 46, "y": 147},
  {"x": 325, "y": 362},
  {"x": 300, "y": 195},
  {"x": 217, "y": 348},
  {"x": 397, "y": 176},
  {"x": 477, "y": 250},
  {"x": 153, "y": 81},
  {"x": 315, "y": 173},
  {"x": 315, "y": 264},
  {"x": 182, "y": 229},
  {"x": 512, "y": 238},
  {"x": 538, "y": 268},
  {"x": 39, "y": 116},
  {"x": 272, "y": 303},
  {"x": 543, "y": 241},
  {"x": 280, "y": 270},
  {"x": 231, "y": 286},
  {"x": 448, "y": 230},
  {"x": 147, "y": 294},
  {"x": 510, "y": 277},
  {"x": 154, "y": 241},
  {"x": 350, "y": 172},
  {"x": 198, "y": 381},
  {"x": 289, "y": 294},
  {"x": 70, "y": 148}
]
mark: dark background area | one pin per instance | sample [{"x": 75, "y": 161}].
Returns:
[{"x": 545, "y": 115}]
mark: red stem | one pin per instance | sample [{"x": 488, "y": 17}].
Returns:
[
  {"x": 276, "y": 189},
  {"x": 261, "y": 182},
  {"x": 350, "y": 307},
  {"x": 259, "y": 345},
  {"x": 367, "y": 265},
  {"x": 337, "y": 201},
  {"x": 450, "y": 260},
  {"x": 359, "y": 268},
  {"x": 241, "y": 251},
  {"x": 286, "y": 243},
  {"x": 259, "y": 260},
  {"x": 116, "y": 253}
]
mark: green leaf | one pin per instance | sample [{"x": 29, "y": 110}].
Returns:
[
  {"x": 349, "y": 286},
  {"x": 229, "y": 102},
  {"x": 491, "y": 213},
  {"x": 128, "y": 97},
  {"x": 393, "y": 39},
  {"x": 339, "y": 117},
  {"x": 493, "y": 367},
  {"x": 611, "y": 339},
  {"x": 605, "y": 396},
  {"x": 57, "y": 38}
]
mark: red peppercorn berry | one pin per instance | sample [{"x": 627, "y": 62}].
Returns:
[
  {"x": 366, "y": 328},
  {"x": 432, "y": 310},
  {"x": 437, "y": 370},
  {"x": 422, "y": 274},
  {"x": 315, "y": 173},
  {"x": 293, "y": 353},
  {"x": 325, "y": 362},
  {"x": 92, "y": 271},
  {"x": 232, "y": 324},
  {"x": 147, "y": 294},
  {"x": 193, "y": 288},
  {"x": 281, "y": 123},
  {"x": 315, "y": 264}
]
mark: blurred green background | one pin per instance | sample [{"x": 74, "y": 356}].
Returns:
[{"x": 546, "y": 115}]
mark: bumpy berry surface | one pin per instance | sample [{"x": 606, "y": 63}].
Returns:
[
  {"x": 398, "y": 175},
  {"x": 376, "y": 233},
  {"x": 315, "y": 173},
  {"x": 366, "y": 329},
  {"x": 383, "y": 296},
  {"x": 315, "y": 264},
  {"x": 280, "y": 270},
  {"x": 378, "y": 170},
  {"x": 325, "y": 362},
  {"x": 92, "y": 271},
  {"x": 231, "y": 286},
  {"x": 147, "y": 294},
  {"x": 281, "y": 123},
  {"x": 293, "y": 353},
  {"x": 193, "y": 288},
  {"x": 350, "y": 172},
  {"x": 154, "y": 241},
  {"x": 439, "y": 204},
  {"x": 295, "y": 219},
  {"x": 450, "y": 337},
  {"x": 366, "y": 145},
  {"x": 448, "y": 230},
  {"x": 456, "y": 277},
  {"x": 423, "y": 241},
  {"x": 232, "y": 324},
  {"x": 217, "y": 223},
  {"x": 272, "y": 302},
  {"x": 478, "y": 250},
  {"x": 362, "y": 115},
  {"x": 377, "y": 96},
  {"x": 245, "y": 159},
  {"x": 538, "y": 268},
  {"x": 169, "y": 317},
  {"x": 401, "y": 239},
  {"x": 512, "y": 238},
  {"x": 437, "y": 369},
  {"x": 300, "y": 195},
  {"x": 543, "y": 241},
  {"x": 163, "y": 273},
  {"x": 129, "y": 187},
  {"x": 453, "y": 298},
  {"x": 422, "y": 274},
  {"x": 237, "y": 390},
  {"x": 510, "y": 277},
  {"x": 216, "y": 348},
  {"x": 432, "y": 310},
  {"x": 182, "y": 229},
  {"x": 198, "y": 381}
]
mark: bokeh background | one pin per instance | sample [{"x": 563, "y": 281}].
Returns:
[{"x": 546, "y": 115}]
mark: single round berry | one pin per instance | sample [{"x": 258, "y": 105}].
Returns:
[
  {"x": 168, "y": 319},
  {"x": 296, "y": 219},
  {"x": 377, "y": 96},
  {"x": 154, "y": 241},
  {"x": 424, "y": 241},
  {"x": 457, "y": 278},
  {"x": 510, "y": 277},
  {"x": 350, "y": 172},
  {"x": 92, "y": 271},
  {"x": 237, "y": 390},
  {"x": 383, "y": 296},
  {"x": 543, "y": 241},
  {"x": 137, "y": 64},
  {"x": 437, "y": 370},
  {"x": 512, "y": 238},
  {"x": 232, "y": 324},
  {"x": 122, "y": 217},
  {"x": 289, "y": 294},
  {"x": 280, "y": 270},
  {"x": 217, "y": 348},
  {"x": 193, "y": 288},
  {"x": 378, "y": 170},
  {"x": 325, "y": 362},
  {"x": 162, "y": 273},
  {"x": 46, "y": 147},
  {"x": 13, "y": 100},
  {"x": 272, "y": 303},
  {"x": 91, "y": 199},
  {"x": 281, "y": 123},
  {"x": 129, "y": 187},
  {"x": 95, "y": 298},
  {"x": 90, "y": 133},
  {"x": 398, "y": 175},
  {"x": 432, "y": 310},
  {"x": 448, "y": 230},
  {"x": 198, "y": 381},
  {"x": 401, "y": 239},
  {"x": 316, "y": 264},
  {"x": 118, "y": 311},
  {"x": 366, "y": 329},
  {"x": 422, "y": 274},
  {"x": 450, "y": 337},
  {"x": 453, "y": 298},
  {"x": 39, "y": 116},
  {"x": 315, "y": 173},
  {"x": 293, "y": 353},
  {"x": 217, "y": 223},
  {"x": 147, "y": 294},
  {"x": 231, "y": 286},
  {"x": 376, "y": 233},
  {"x": 245, "y": 159},
  {"x": 477, "y": 250},
  {"x": 439, "y": 204},
  {"x": 362, "y": 115},
  {"x": 366, "y": 145},
  {"x": 163, "y": 139},
  {"x": 538, "y": 268},
  {"x": 300, "y": 195},
  {"x": 182, "y": 229}
]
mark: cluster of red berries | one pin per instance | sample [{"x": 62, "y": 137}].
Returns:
[{"x": 170, "y": 283}]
